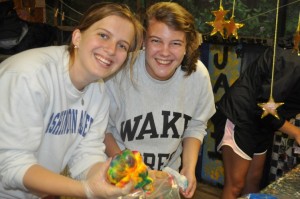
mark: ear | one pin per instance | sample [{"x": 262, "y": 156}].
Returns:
[{"x": 76, "y": 37}]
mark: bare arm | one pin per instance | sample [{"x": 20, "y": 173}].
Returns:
[
  {"x": 191, "y": 148},
  {"x": 291, "y": 130},
  {"x": 112, "y": 147},
  {"x": 44, "y": 182}
]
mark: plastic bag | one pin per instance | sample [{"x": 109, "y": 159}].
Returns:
[{"x": 163, "y": 188}]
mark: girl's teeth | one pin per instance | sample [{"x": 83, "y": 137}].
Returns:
[
  {"x": 103, "y": 60},
  {"x": 163, "y": 61}
]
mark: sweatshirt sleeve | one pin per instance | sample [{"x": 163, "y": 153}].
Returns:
[
  {"x": 21, "y": 119},
  {"x": 91, "y": 149},
  {"x": 205, "y": 107},
  {"x": 113, "y": 93}
]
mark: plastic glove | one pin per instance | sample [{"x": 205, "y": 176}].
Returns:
[{"x": 97, "y": 186}]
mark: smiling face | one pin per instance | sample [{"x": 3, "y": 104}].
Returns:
[
  {"x": 165, "y": 49},
  {"x": 102, "y": 49}
]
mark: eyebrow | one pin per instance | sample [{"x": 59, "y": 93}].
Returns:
[{"x": 156, "y": 37}]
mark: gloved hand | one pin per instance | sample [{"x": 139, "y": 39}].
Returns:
[{"x": 97, "y": 185}]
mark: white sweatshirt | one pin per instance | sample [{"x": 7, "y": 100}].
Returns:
[
  {"x": 153, "y": 117},
  {"x": 45, "y": 120}
]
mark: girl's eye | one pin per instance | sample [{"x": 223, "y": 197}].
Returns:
[
  {"x": 103, "y": 36},
  {"x": 124, "y": 47},
  {"x": 155, "y": 41},
  {"x": 177, "y": 44}
]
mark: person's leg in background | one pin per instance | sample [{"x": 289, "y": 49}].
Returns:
[
  {"x": 254, "y": 175},
  {"x": 235, "y": 173}
]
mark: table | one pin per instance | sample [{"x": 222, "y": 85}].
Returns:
[{"x": 286, "y": 187}]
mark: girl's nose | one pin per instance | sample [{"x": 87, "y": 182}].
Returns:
[
  {"x": 111, "y": 48},
  {"x": 165, "y": 51}
]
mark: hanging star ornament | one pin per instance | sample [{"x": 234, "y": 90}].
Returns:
[
  {"x": 219, "y": 21},
  {"x": 297, "y": 40},
  {"x": 232, "y": 27},
  {"x": 297, "y": 37},
  {"x": 270, "y": 107}
]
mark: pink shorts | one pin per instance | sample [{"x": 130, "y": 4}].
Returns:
[{"x": 228, "y": 139}]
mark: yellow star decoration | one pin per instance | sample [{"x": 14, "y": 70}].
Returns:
[
  {"x": 270, "y": 108},
  {"x": 297, "y": 42},
  {"x": 232, "y": 27},
  {"x": 219, "y": 21},
  {"x": 297, "y": 38}
]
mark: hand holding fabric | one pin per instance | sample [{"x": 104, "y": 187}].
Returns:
[{"x": 97, "y": 185}]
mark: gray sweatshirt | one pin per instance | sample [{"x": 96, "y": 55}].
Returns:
[
  {"x": 43, "y": 119},
  {"x": 153, "y": 117}
]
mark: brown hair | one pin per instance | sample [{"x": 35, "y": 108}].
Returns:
[
  {"x": 178, "y": 18},
  {"x": 99, "y": 11}
]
